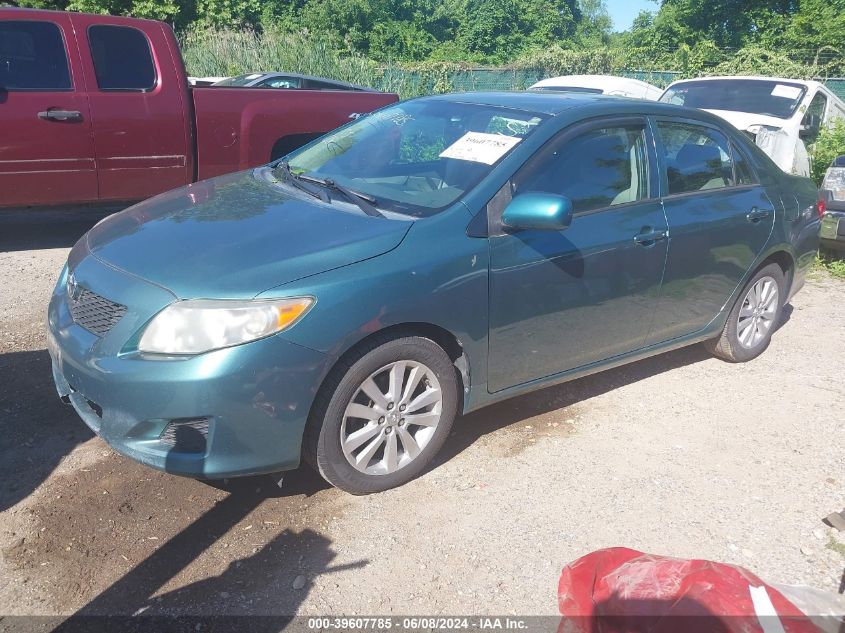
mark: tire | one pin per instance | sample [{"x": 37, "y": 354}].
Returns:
[
  {"x": 397, "y": 459},
  {"x": 741, "y": 343}
]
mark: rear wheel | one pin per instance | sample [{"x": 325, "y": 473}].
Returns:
[
  {"x": 383, "y": 416},
  {"x": 753, "y": 319}
]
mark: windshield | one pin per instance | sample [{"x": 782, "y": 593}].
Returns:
[
  {"x": 239, "y": 80},
  {"x": 770, "y": 98},
  {"x": 417, "y": 157}
]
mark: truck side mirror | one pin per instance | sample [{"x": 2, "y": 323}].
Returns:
[{"x": 810, "y": 126}]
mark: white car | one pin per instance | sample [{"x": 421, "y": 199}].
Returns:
[
  {"x": 601, "y": 84},
  {"x": 783, "y": 116}
]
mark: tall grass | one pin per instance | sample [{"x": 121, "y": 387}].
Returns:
[
  {"x": 232, "y": 52},
  {"x": 225, "y": 53}
]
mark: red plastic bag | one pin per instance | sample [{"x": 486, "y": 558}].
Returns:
[{"x": 620, "y": 590}]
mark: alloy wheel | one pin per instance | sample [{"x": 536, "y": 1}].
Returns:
[
  {"x": 391, "y": 418},
  {"x": 758, "y": 312}
]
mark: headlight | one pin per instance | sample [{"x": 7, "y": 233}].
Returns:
[{"x": 193, "y": 327}]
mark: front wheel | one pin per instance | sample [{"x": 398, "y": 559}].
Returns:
[
  {"x": 754, "y": 317},
  {"x": 383, "y": 416}
]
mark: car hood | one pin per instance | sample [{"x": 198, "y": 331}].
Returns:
[
  {"x": 744, "y": 120},
  {"x": 236, "y": 236}
]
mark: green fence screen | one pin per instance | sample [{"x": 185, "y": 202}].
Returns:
[{"x": 475, "y": 79}]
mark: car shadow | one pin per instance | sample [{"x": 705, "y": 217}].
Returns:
[
  {"x": 37, "y": 430},
  {"x": 785, "y": 316},
  {"x": 23, "y": 229},
  {"x": 267, "y": 586},
  {"x": 468, "y": 429}
]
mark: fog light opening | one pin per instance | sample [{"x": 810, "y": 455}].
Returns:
[{"x": 186, "y": 435}]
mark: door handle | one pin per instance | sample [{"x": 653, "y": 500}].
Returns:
[
  {"x": 649, "y": 236},
  {"x": 755, "y": 215},
  {"x": 60, "y": 115}
]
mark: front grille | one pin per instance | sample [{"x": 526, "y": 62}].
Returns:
[{"x": 95, "y": 313}]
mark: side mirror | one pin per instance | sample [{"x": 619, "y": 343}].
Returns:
[
  {"x": 810, "y": 126},
  {"x": 539, "y": 211}
]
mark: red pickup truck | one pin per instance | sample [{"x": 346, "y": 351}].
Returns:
[{"x": 98, "y": 108}]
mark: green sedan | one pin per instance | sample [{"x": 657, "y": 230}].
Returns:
[{"x": 347, "y": 303}]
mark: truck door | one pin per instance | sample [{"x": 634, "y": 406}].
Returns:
[
  {"x": 46, "y": 149},
  {"x": 137, "y": 95}
]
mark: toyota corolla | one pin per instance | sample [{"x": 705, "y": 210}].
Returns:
[{"x": 346, "y": 303}]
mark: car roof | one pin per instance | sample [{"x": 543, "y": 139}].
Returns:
[
  {"x": 802, "y": 82},
  {"x": 554, "y": 103},
  {"x": 334, "y": 82},
  {"x": 592, "y": 81}
]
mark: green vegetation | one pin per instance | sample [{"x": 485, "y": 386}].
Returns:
[
  {"x": 829, "y": 145},
  {"x": 830, "y": 264},
  {"x": 793, "y": 37},
  {"x": 836, "y": 546}
]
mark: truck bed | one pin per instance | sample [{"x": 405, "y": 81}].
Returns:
[{"x": 246, "y": 127}]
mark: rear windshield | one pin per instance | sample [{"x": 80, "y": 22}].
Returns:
[{"x": 770, "y": 98}]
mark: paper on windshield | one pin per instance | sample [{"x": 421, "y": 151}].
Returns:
[
  {"x": 479, "y": 147},
  {"x": 787, "y": 92}
]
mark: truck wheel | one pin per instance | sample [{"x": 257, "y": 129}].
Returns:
[
  {"x": 753, "y": 319},
  {"x": 383, "y": 415}
]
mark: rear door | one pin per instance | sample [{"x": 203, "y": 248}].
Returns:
[
  {"x": 46, "y": 149},
  {"x": 719, "y": 217},
  {"x": 564, "y": 299},
  {"x": 139, "y": 115}
]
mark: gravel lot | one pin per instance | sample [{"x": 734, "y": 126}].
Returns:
[{"x": 680, "y": 454}]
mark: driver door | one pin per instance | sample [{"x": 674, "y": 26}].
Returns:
[{"x": 564, "y": 299}]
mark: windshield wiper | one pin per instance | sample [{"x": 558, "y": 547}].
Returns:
[
  {"x": 364, "y": 202},
  {"x": 283, "y": 168}
]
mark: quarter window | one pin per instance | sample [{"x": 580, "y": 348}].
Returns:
[
  {"x": 32, "y": 56},
  {"x": 122, "y": 58},
  {"x": 601, "y": 168},
  {"x": 697, "y": 158}
]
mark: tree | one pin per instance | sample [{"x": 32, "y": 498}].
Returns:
[
  {"x": 595, "y": 24},
  {"x": 500, "y": 30}
]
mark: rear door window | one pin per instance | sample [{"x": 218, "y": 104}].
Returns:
[
  {"x": 122, "y": 58},
  {"x": 697, "y": 158},
  {"x": 33, "y": 56}
]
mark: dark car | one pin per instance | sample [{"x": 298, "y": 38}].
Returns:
[
  {"x": 346, "y": 303},
  {"x": 290, "y": 81},
  {"x": 833, "y": 196}
]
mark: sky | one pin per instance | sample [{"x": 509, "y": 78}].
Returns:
[{"x": 623, "y": 12}]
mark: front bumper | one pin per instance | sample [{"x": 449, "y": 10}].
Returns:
[{"x": 225, "y": 413}]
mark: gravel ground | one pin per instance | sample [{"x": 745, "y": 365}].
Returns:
[{"x": 680, "y": 454}]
